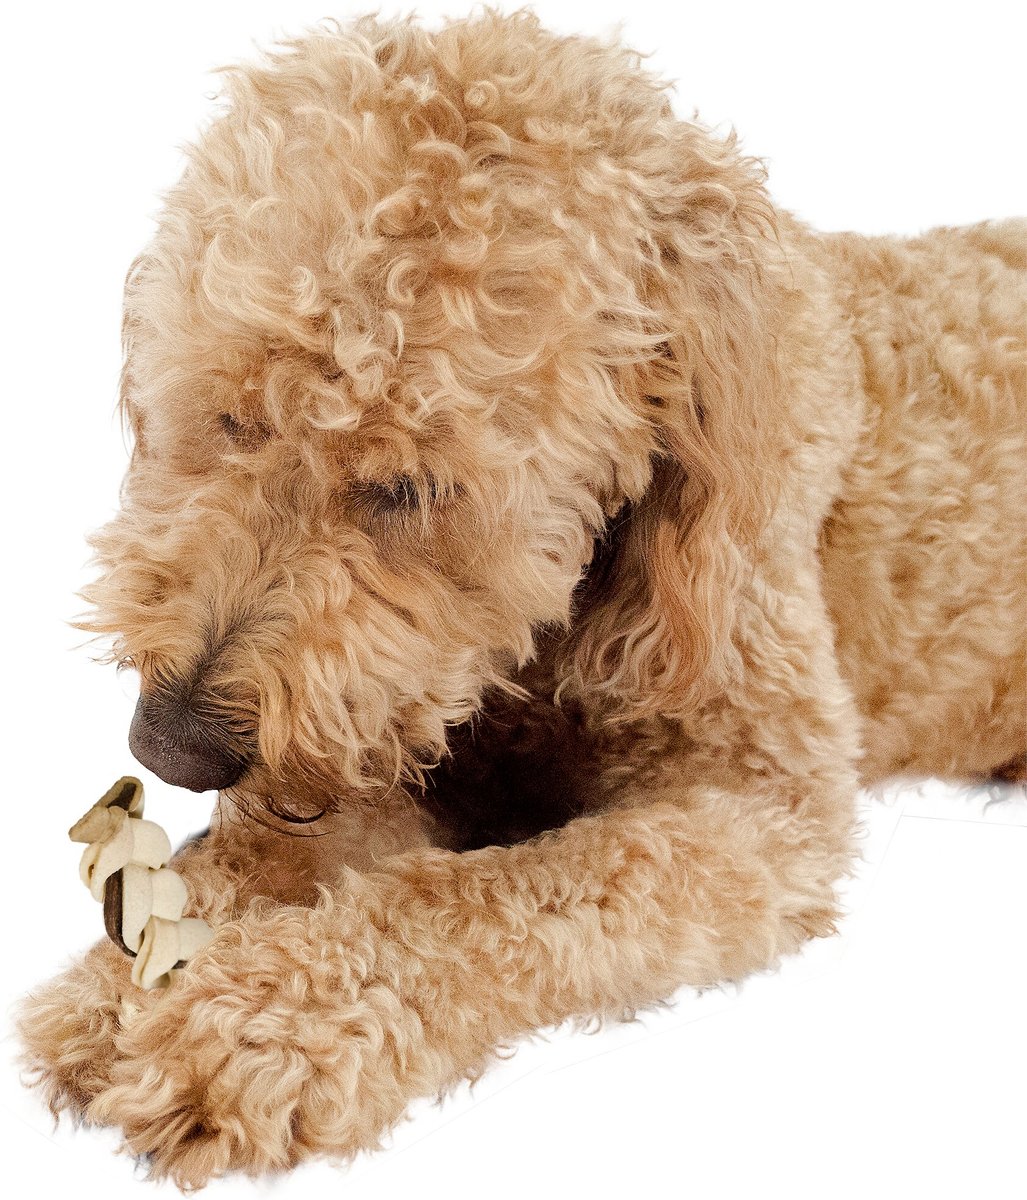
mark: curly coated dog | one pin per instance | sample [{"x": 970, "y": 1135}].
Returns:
[{"x": 536, "y": 537}]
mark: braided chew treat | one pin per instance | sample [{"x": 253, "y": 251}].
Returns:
[{"x": 143, "y": 900}]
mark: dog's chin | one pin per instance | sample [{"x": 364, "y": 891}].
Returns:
[
  {"x": 299, "y": 797},
  {"x": 285, "y": 798}
]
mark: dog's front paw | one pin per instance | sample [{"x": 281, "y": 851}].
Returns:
[
  {"x": 273, "y": 1046},
  {"x": 69, "y": 1025}
]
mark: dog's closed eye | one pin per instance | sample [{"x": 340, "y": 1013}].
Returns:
[
  {"x": 401, "y": 505},
  {"x": 402, "y": 494},
  {"x": 244, "y": 436}
]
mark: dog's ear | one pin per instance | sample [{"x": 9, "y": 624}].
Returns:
[{"x": 653, "y": 629}]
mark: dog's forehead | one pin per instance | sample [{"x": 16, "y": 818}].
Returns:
[
  {"x": 358, "y": 378},
  {"x": 379, "y": 278},
  {"x": 387, "y": 439}
]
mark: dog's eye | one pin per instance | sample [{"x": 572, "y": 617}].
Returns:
[
  {"x": 245, "y": 437},
  {"x": 402, "y": 504},
  {"x": 399, "y": 495}
]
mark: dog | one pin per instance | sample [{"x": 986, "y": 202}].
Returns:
[{"x": 536, "y": 538}]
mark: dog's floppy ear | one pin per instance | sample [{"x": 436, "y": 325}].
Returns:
[{"x": 656, "y": 608}]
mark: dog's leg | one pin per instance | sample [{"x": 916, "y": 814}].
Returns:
[
  {"x": 70, "y": 1024},
  {"x": 308, "y": 1030}
]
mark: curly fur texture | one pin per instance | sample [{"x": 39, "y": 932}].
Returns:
[{"x": 562, "y": 529}]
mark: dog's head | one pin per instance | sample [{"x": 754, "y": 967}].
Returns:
[{"x": 428, "y": 317}]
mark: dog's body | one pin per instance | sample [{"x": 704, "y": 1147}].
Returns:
[
  {"x": 922, "y": 550},
  {"x": 503, "y": 458},
  {"x": 918, "y": 480}
]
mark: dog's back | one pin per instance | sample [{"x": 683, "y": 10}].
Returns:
[{"x": 926, "y": 549}]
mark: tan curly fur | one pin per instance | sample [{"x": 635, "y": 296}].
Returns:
[{"x": 519, "y": 490}]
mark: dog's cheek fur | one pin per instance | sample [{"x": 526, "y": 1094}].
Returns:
[{"x": 333, "y": 650}]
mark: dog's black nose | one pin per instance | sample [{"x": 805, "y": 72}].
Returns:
[{"x": 168, "y": 739}]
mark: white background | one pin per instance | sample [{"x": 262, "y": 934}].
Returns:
[{"x": 888, "y": 1062}]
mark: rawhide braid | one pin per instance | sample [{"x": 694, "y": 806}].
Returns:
[{"x": 123, "y": 865}]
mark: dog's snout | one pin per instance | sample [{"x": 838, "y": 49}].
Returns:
[{"x": 185, "y": 749}]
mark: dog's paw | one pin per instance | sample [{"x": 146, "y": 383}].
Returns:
[
  {"x": 69, "y": 1025},
  {"x": 273, "y": 1046}
]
